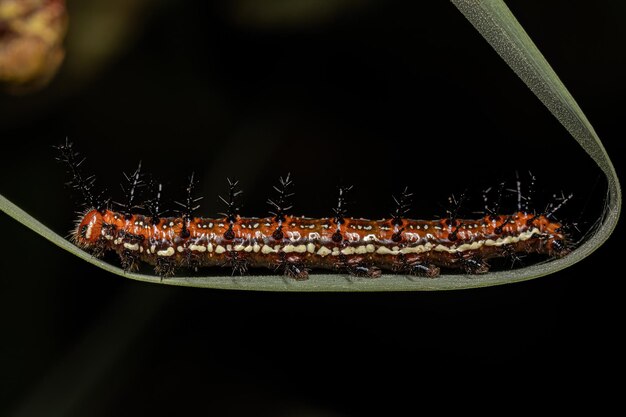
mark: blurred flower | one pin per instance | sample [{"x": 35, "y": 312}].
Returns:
[{"x": 31, "y": 36}]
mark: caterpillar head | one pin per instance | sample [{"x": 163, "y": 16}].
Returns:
[{"x": 88, "y": 229}]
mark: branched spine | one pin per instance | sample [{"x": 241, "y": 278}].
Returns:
[
  {"x": 84, "y": 185},
  {"x": 232, "y": 207},
  {"x": 403, "y": 206},
  {"x": 189, "y": 206},
  {"x": 153, "y": 205},
  {"x": 280, "y": 206},
  {"x": 341, "y": 210},
  {"x": 131, "y": 187}
]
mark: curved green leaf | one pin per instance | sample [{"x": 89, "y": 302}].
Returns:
[{"x": 499, "y": 27}]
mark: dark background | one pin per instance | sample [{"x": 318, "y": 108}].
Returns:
[{"x": 378, "y": 94}]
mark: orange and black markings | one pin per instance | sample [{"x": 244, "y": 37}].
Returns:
[{"x": 366, "y": 247}]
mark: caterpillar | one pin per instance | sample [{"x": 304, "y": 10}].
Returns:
[{"x": 295, "y": 246}]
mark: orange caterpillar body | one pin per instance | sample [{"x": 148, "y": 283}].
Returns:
[{"x": 297, "y": 245}]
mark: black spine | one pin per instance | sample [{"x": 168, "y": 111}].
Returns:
[
  {"x": 232, "y": 206},
  {"x": 131, "y": 187},
  {"x": 281, "y": 204},
  {"x": 341, "y": 210},
  {"x": 79, "y": 183},
  {"x": 189, "y": 206},
  {"x": 153, "y": 205},
  {"x": 403, "y": 206},
  {"x": 494, "y": 208}
]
